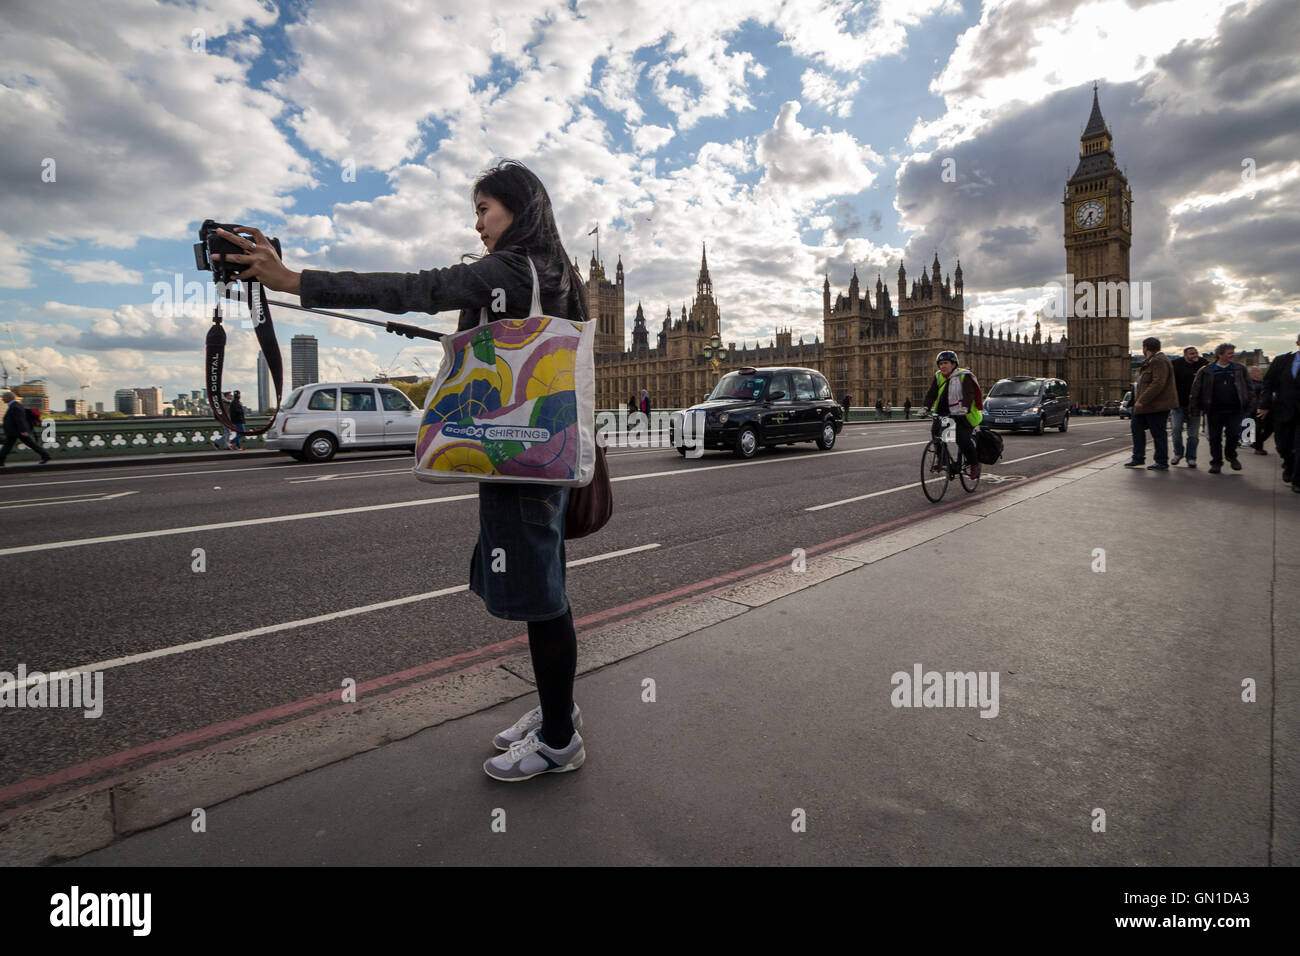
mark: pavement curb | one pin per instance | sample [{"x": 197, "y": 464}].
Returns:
[{"x": 70, "y": 825}]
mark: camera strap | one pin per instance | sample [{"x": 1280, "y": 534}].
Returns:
[{"x": 215, "y": 348}]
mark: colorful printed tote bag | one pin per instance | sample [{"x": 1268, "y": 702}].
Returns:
[{"x": 513, "y": 401}]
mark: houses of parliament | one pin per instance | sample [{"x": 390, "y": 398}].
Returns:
[{"x": 874, "y": 349}]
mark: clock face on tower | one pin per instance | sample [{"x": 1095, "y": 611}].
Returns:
[
  {"x": 1124, "y": 213},
  {"x": 1089, "y": 215}
]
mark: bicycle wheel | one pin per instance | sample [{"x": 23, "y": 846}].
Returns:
[
  {"x": 967, "y": 482},
  {"x": 934, "y": 470}
]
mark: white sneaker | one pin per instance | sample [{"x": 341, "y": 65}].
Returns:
[
  {"x": 527, "y": 722},
  {"x": 529, "y": 757}
]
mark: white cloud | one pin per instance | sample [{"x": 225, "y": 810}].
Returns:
[
  {"x": 14, "y": 273},
  {"x": 822, "y": 89},
  {"x": 310, "y": 227},
  {"x": 99, "y": 270},
  {"x": 811, "y": 165},
  {"x": 1023, "y": 51},
  {"x": 650, "y": 138},
  {"x": 134, "y": 121},
  {"x": 823, "y": 30},
  {"x": 617, "y": 87}
]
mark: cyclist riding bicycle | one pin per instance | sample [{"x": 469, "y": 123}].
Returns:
[{"x": 955, "y": 392}]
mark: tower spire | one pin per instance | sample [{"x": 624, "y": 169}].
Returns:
[
  {"x": 1096, "y": 125},
  {"x": 704, "y": 285}
]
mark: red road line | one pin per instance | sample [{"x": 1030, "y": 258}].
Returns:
[{"x": 475, "y": 658}]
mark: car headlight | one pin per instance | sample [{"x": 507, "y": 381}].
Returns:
[
  {"x": 1035, "y": 410},
  {"x": 722, "y": 418}
]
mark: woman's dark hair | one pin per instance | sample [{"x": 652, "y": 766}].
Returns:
[{"x": 533, "y": 229}]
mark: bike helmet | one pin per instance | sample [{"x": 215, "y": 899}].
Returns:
[{"x": 946, "y": 355}]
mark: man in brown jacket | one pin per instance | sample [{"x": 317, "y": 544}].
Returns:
[{"x": 1153, "y": 396}]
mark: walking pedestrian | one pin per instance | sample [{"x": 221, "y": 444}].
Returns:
[
  {"x": 18, "y": 428},
  {"x": 237, "y": 419},
  {"x": 907, "y": 407},
  {"x": 880, "y": 408},
  {"x": 1185, "y": 368},
  {"x": 1154, "y": 395},
  {"x": 846, "y": 402},
  {"x": 1222, "y": 391},
  {"x": 1263, "y": 427},
  {"x": 523, "y": 521},
  {"x": 34, "y": 429},
  {"x": 223, "y": 443},
  {"x": 889, "y": 410},
  {"x": 1280, "y": 401}
]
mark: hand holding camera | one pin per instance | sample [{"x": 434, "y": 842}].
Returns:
[{"x": 250, "y": 256}]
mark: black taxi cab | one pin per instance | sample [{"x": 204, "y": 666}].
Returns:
[{"x": 755, "y": 407}]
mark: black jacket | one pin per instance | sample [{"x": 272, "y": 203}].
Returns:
[
  {"x": 468, "y": 287},
  {"x": 1281, "y": 394},
  {"x": 1184, "y": 373},
  {"x": 1201, "y": 396},
  {"x": 236, "y": 412},
  {"x": 15, "y": 421}
]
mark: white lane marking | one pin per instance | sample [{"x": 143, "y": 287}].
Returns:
[
  {"x": 874, "y": 494},
  {"x": 1012, "y": 461},
  {"x": 762, "y": 461},
  {"x": 219, "y": 526},
  {"x": 1098, "y": 441},
  {"x": 64, "y": 500},
  {"x": 164, "y": 532},
  {"x": 347, "y": 475},
  {"x": 186, "y": 474},
  {"x": 285, "y": 626}
]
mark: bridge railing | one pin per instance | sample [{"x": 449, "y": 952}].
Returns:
[{"x": 95, "y": 437}]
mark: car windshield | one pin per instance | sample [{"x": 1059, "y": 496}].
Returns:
[
  {"x": 1015, "y": 389},
  {"x": 739, "y": 385}
]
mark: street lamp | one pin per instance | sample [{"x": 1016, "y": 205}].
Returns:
[{"x": 715, "y": 353}]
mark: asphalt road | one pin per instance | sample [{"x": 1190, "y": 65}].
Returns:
[{"x": 106, "y": 559}]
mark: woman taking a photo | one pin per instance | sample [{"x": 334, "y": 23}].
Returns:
[{"x": 516, "y": 224}]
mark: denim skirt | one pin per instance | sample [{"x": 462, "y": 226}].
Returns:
[{"x": 518, "y": 563}]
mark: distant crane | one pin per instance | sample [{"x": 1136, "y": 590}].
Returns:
[{"x": 386, "y": 373}]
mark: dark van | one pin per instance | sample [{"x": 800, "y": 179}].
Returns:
[{"x": 1025, "y": 402}]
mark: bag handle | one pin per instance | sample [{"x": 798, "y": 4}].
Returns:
[{"x": 535, "y": 307}]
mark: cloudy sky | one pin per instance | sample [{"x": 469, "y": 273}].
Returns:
[{"x": 797, "y": 138}]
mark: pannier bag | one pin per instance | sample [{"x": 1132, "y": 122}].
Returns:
[
  {"x": 988, "y": 446},
  {"x": 513, "y": 401}
]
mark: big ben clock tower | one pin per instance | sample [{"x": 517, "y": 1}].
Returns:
[{"x": 1098, "y": 232}]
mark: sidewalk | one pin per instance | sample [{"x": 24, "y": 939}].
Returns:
[{"x": 1119, "y": 691}]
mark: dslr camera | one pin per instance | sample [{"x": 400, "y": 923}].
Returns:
[{"x": 210, "y": 244}]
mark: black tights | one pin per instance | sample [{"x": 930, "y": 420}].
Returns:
[{"x": 554, "y": 647}]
